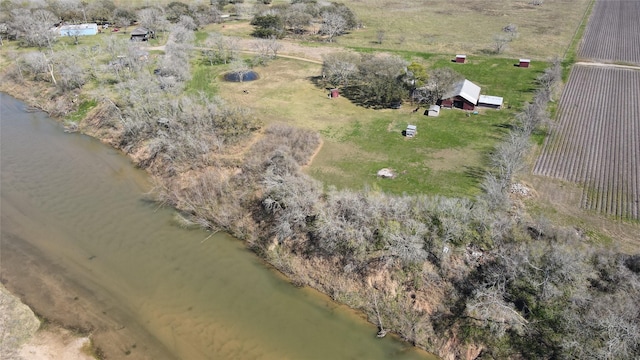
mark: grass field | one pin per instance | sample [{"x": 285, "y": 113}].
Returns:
[
  {"x": 448, "y": 156},
  {"x": 467, "y": 26},
  {"x": 455, "y": 26}
]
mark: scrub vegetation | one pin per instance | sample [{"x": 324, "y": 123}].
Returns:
[{"x": 447, "y": 256}]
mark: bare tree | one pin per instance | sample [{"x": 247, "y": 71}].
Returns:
[
  {"x": 34, "y": 28},
  {"x": 152, "y": 18},
  {"x": 339, "y": 68},
  {"x": 550, "y": 78},
  {"x": 333, "y": 24},
  {"x": 70, "y": 69},
  {"x": 220, "y": 49},
  {"x": 177, "y": 51},
  {"x": 510, "y": 28},
  {"x": 101, "y": 10},
  {"x": 36, "y": 64},
  {"x": 489, "y": 308},
  {"x": 240, "y": 68},
  {"x": 380, "y": 35},
  {"x": 266, "y": 49},
  {"x": 296, "y": 18},
  {"x": 500, "y": 42},
  {"x": 509, "y": 155},
  {"x": 439, "y": 83},
  {"x": 187, "y": 22}
]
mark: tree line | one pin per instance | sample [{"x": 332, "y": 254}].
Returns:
[{"x": 303, "y": 17}]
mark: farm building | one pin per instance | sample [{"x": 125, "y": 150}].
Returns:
[
  {"x": 411, "y": 131},
  {"x": 79, "y": 30},
  {"x": 142, "y": 34},
  {"x": 334, "y": 93},
  {"x": 524, "y": 63},
  {"x": 461, "y": 59},
  {"x": 464, "y": 96},
  {"x": 434, "y": 110},
  {"x": 488, "y": 101}
]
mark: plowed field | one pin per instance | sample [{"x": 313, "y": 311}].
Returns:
[
  {"x": 597, "y": 139},
  {"x": 613, "y": 32}
]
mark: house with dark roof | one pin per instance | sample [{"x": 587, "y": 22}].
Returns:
[{"x": 142, "y": 34}]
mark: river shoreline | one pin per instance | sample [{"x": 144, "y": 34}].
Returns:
[{"x": 68, "y": 307}]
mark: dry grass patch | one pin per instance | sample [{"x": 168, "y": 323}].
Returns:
[
  {"x": 285, "y": 92},
  {"x": 467, "y": 26},
  {"x": 453, "y": 159}
]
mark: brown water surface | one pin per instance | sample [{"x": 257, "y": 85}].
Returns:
[{"x": 73, "y": 212}]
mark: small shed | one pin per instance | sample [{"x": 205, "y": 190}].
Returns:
[
  {"x": 461, "y": 58},
  {"x": 79, "y": 30},
  {"x": 434, "y": 110},
  {"x": 411, "y": 131},
  {"x": 488, "y": 101},
  {"x": 334, "y": 93},
  {"x": 142, "y": 34},
  {"x": 524, "y": 63}
]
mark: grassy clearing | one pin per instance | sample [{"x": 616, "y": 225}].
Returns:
[
  {"x": 204, "y": 78},
  {"x": 466, "y": 26},
  {"x": 448, "y": 26},
  {"x": 83, "y": 110},
  {"x": 447, "y": 157},
  {"x": 449, "y": 154},
  {"x": 498, "y": 77}
]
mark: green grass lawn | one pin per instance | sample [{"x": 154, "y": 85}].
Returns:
[
  {"x": 447, "y": 157},
  {"x": 449, "y": 154},
  {"x": 498, "y": 77},
  {"x": 204, "y": 78}
]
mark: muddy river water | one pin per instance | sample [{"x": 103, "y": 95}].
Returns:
[{"x": 73, "y": 203}]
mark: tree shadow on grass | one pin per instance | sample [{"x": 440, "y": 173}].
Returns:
[
  {"x": 318, "y": 82},
  {"x": 505, "y": 126},
  {"x": 476, "y": 173},
  {"x": 355, "y": 94}
]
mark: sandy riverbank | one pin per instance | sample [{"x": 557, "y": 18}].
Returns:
[
  {"x": 77, "y": 323},
  {"x": 25, "y": 337}
]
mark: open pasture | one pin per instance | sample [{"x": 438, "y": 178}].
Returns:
[
  {"x": 597, "y": 140},
  {"x": 613, "y": 32},
  {"x": 447, "y": 157},
  {"x": 448, "y": 26},
  {"x": 467, "y": 26}
]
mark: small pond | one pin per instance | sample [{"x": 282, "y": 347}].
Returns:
[{"x": 241, "y": 77}]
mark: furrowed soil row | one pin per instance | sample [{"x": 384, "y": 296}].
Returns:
[
  {"x": 613, "y": 32},
  {"x": 596, "y": 141}
]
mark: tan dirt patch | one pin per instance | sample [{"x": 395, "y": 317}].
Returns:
[{"x": 452, "y": 159}]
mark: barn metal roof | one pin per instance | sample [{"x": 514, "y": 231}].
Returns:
[
  {"x": 78, "y": 27},
  {"x": 467, "y": 90},
  {"x": 490, "y": 100},
  {"x": 139, "y": 31}
]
